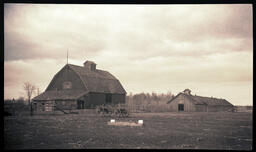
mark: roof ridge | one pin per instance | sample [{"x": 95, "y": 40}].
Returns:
[
  {"x": 83, "y": 67},
  {"x": 202, "y": 99},
  {"x": 102, "y": 78},
  {"x": 191, "y": 97},
  {"x": 208, "y": 97},
  {"x": 96, "y": 70}
]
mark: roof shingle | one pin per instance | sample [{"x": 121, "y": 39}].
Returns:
[{"x": 98, "y": 80}]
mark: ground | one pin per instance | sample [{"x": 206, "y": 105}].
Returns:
[{"x": 160, "y": 131}]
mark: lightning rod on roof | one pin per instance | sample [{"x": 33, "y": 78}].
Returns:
[{"x": 67, "y": 56}]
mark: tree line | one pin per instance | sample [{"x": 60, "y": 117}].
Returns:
[{"x": 148, "y": 102}]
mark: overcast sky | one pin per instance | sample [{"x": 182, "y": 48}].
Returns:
[{"x": 149, "y": 48}]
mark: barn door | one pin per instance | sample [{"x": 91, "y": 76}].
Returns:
[
  {"x": 181, "y": 107},
  {"x": 108, "y": 98},
  {"x": 80, "y": 104},
  {"x": 35, "y": 106}
]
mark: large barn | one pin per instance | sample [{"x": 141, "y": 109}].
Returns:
[
  {"x": 184, "y": 101},
  {"x": 80, "y": 87}
]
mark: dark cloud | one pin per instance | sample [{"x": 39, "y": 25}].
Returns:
[
  {"x": 201, "y": 22},
  {"x": 90, "y": 30},
  {"x": 28, "y": 36},
  {"x": 148, "y": 47}
]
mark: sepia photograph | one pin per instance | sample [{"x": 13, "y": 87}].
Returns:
[{"x": 127, "y": 76}]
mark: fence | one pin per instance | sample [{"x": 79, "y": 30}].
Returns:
[
  {"x": 155, "y": 107},
  {"x": 17, "y": 108}
]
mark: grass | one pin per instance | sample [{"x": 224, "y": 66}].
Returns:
[{"x": 229, "y": 131}]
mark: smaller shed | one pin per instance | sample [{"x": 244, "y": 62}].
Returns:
[{"x": 184, "y": 101}]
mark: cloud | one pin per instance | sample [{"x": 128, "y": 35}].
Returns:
[
  {"x": 40, "y": 32},
  {"x": 92, "y": 29},
  {"x": 36, "y": 72},
  {"x": 147, "y": 47},
  {"x": 211, "y": 21}
]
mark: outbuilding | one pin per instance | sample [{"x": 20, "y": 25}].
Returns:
[
  {"x": 185, "y": 101},
  {"x": 80, "y": 87}
]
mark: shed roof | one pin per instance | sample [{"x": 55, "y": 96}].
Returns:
[
  {"x": 60, "y": 95},
  {"x": 204, "y": 100},
  {"x": 211, "y": 101}
]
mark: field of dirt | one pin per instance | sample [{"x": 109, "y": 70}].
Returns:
[{"x": 229, "y": 131}]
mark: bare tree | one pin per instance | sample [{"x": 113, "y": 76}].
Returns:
[
  {"x": 38, "y": 91},
  {"x": 29, "y": 89}
]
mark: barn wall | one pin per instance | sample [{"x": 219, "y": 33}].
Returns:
[
  {"x": 66, "y": 75},
  {"x": 200, "y": 108},
  {"x": 66, "y": 104},
  {"x": 86, "y": 99},
  {"x": 95, "y": 99},
  {"x": 44, "y": 106},
  {"x": 91, "y": 101},
  {"x": 181, "y": 99},
  {"x": 118, "y": 98},
  {"x": 218, "y": 108}
]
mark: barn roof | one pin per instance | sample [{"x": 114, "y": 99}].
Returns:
[
  {"x": 212, "y": 101},
  {"x": 203, "y": 100},
  {"x": 60, "y": 95},
  {"x": 98, "y": 80}
]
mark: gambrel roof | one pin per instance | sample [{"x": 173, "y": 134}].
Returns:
[{"x": 97, "y": 81}]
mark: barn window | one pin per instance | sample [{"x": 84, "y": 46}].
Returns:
[
  {"x": 181, "y": 107},
  {"x": 67, "y": 85},
  {"x": 108, "y": 98},
  {"x": 48, "y": 108}
]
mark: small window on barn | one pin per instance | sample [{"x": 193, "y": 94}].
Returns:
[
  {"x": 67, "y": 85},
  {"x": 35, "y": 106},
  {"x": 181, "y": 107}
]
